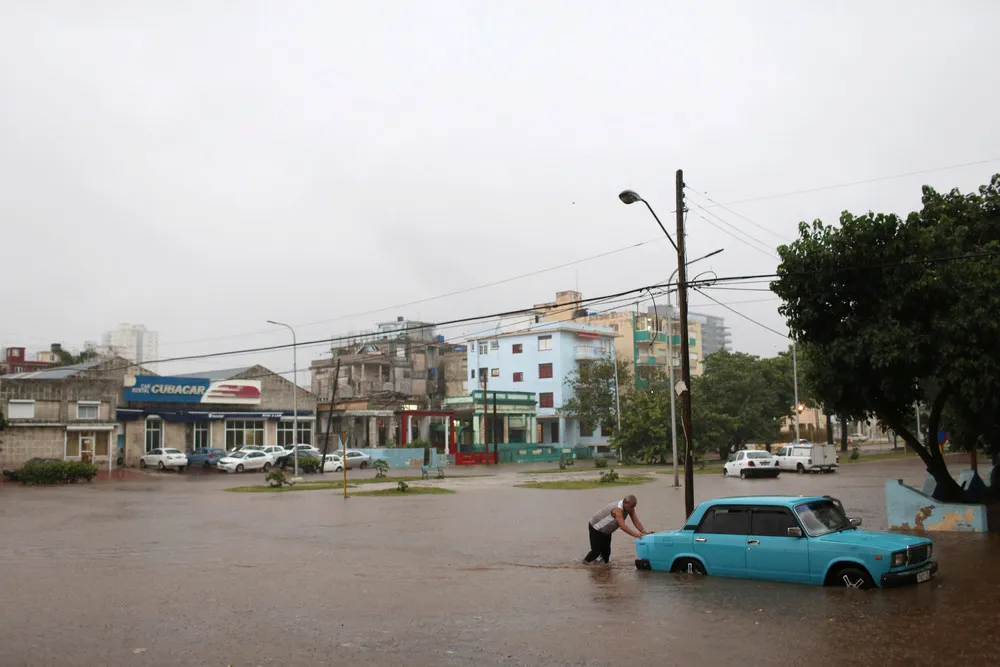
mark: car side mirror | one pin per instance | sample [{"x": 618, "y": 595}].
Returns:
[
  {"x": 795, "y": 532},
  {"x": 855, "y": 521}
]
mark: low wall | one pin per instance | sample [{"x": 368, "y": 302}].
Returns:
[
  {"x": 404, "y": 457},
  {"x": 521, "y": 453},
  {"x": 909, "y": 509}
]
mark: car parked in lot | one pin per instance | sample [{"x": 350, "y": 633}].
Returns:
[
  {"x": 751, "y": 463},
  {"x": 807, "y": 457},
  {"x": 304, "y": 451},
  {"x": 800, "y": 539},
  {"x": 164, "y": 458},
  {"x": 356, "y": 459},
  {"x": 333, "y": 463},
  {"x": 206, "y": 456},
  {"x": 274, "y": 451},
  {"x": 246, "y": 460}
]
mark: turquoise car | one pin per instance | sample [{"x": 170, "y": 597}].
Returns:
[{"x": 802, "y": 539}]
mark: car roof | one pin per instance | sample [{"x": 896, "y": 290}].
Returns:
[{"x": 784, "y": 501}]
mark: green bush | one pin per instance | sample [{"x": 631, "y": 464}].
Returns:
[
  {"x": 566, "y": 462},
  {"x": 276, "y": 478},
  {"x": 609, "y": 477},
  {"x": 600, "y": 462},
  {"x": 56, "y": 472},
  {"x": 419, "y": 443},
  {"x": 381, "y": 467},
  {"x": 402, "y": 486},
  {"x": 855, "y": 453},
  {"x": 309, "y": 465}
]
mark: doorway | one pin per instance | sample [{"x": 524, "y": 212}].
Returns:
[{"x": 88, "y": 441}]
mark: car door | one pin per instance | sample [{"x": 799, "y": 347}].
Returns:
[
  {"x": 721, "y": 540},
  {"x": 154, "y": 457},
  {"x": 259, "y": 459},
  {"x": 771, "y": 554},
  {"x": 782, "y": 458}
]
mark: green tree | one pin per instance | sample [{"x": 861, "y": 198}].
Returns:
[
  {"x": 645, "y": 430},
  {"x": 898, "y": 313},
  {"x": 69, "y": 359},
  {"x": 593, "y": 386}
]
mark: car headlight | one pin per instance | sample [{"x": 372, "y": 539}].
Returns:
[{"x": 899, "y": 559}]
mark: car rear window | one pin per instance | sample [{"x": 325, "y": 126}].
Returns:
[
  {"x": 172, "y": 451},
  {"x": 758, "y": 455},
  {"x": 726, "y": 521}
]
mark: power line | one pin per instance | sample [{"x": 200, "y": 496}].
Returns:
[
  {"x": 770, "y": 254},
  {"x": 739, "y": 215},
  {"x": 736, "y": 312}
]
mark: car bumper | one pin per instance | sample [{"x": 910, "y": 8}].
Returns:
[
  {"x": 762, "y": 472},
  {"x": 893, "y": 579}
]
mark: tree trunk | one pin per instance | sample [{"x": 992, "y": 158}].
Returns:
[
  {"x": 829, "y": 428},
  {"x": 843, "y": 434}
]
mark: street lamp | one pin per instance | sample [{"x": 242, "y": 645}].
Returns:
[
  {"x": 295, "y": 394},
  {"x": 670, "y": 361},
  {"x": 631, "y": 197}
]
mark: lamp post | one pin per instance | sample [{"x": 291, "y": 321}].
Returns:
[
  {"x": 670, "y": 363},
  {"x": 795, "y": 380},
  {"x": 295, "y": 393}
]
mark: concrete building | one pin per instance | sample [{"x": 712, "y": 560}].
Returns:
[
  {"x": 15, "y": 360},
  {"x": 133, "y": 342},
  {"x": 715, "y": 335},
  {"x": 67, "y": 412},
  {"x": 221, "y": 408},
  {"x": 537, "y": 361}
]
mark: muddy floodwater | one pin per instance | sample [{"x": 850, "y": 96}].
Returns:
[{"x": 169, "y": 570}]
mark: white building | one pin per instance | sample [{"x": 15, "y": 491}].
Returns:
[{"x": 133, "y": 342}]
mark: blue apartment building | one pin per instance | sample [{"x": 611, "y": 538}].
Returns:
[{"x": 537, "y": 361}]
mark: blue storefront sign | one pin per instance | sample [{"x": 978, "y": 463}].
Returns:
[{"x": 153, "y": 388}]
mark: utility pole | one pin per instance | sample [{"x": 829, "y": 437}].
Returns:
[
  {"x": 493, "y": 435},
  {"x": 685, "y": 348},
  {"x": 486, "y": 414},
  {"x": 329, "y": 415},
  {"x": 618, "y": 404},
  {"x": 795, "y": 374}
]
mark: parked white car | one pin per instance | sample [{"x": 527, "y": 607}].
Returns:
[
  {"x": 246, "y": 460},
  {"x": 332, "y": 463},
  {"x": 164, "y": 458},
  {"x": 302, "y": 448},
  {"x": 751, "y": 463},
  {"x": 274, "y": 451},
  {"x": 356, "y": 459},
  {"x": 807, "y": 457}
]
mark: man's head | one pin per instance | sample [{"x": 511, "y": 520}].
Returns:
[{"x": 629, "y": 503}]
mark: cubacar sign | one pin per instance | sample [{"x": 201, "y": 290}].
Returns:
[{"x": 156, "y": 389}]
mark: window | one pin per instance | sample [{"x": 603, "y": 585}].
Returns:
[
  {"x": 518, "y": 377},
  {"x": 586, "y": 430},
  {"x": 605, "y": 431},
  {"x": 544, "y": 343},
  {"x": 545, "y": 400},
  {"x": 154, "y": 434},
  {"x": 21, "y": 410},
  {"x": 517, "y": 348},
  {"x": 472, "y": 374},
  {"x": 484, "y": 348},
  {"x": 495, "y": 373},
  {"x": 544, "y": 371},
  {"x": 726, "y": 521},
  {"x": 771, "y": 522},
  {"x": 494, "y": 345},
  {"x": 285, "y": 430},
  {"x": 482, "y": 374},
  {"x": 244, "y": 432},
  {"x": 200, "y": 435},
  {"x": 88, "y": 409}
]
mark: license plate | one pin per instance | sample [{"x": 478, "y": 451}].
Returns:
[
  {"x": 923, "y": 576},
  {"x": 765, "y": 464}
]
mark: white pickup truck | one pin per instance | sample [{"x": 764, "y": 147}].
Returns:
[{"x": 806, "y": 457}]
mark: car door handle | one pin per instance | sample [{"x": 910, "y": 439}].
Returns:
[
  {"x": 700, "y": 539},
  {"x": 754, "y": 542}
]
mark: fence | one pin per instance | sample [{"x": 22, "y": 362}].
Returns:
[
  {"x": 519, "y": 453},
  {"x": 404, "y": 457}
]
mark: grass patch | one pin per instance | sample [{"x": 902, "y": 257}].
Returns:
[
  {"x": 583, "y": 467},
  {"x": 301, "y": 486},
  {"x": 581, "y": 484},
  {"x": 881, "y": 456},
  {"x": 708, "y": 469},
  {"x": 408, "y": 478},
  {"x": 412, "y": 491}
]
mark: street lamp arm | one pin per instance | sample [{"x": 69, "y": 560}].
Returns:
[{"x": 655, "y": 217}]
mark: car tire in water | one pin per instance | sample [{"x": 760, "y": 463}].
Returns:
[
  {"x": 161, "y": 466},
  {"x": 364, "y": 464},
  {"x": 239, "y": 468},
  {"x": 799, "y": 468},
  {"x": 142, "y": 464},
  {"x": 743, "y": 474},
  {"x": 180, "y": 470},
  {"x": 688, "y": 566},
  {"x": 267, "y": 466},
  {"x": 851, "y": 577}
]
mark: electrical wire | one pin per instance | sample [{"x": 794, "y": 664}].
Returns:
[
  {"x": 737, "y": 214},
  {"x": 746, "y": 317},
  {"x": 754, "y": 242}
]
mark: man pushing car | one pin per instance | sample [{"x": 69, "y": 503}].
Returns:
[{"x": 603, "y": 524}]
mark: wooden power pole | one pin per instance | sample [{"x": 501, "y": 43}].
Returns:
[
  {"x": 329, "y": 415},
  {"x": 685, "y": 390}
]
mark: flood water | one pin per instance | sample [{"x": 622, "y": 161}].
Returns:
[{"x": 174, "y": 571}]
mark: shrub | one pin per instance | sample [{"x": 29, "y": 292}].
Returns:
[
  {"x": 56, "y": 472},
  {"x": 309, "y": 465},
  {"x": 381, "y": 467},
  {"x": 609, "y": 477},
  {"x": 419, "y": 443},
  {"x": 855, "y": 453},
  {"x": 402, "y": 486},
  {"x": 565, "y": 462},
  {"x": 600, "y": 462},
  {"x": 276, "y": 478}
]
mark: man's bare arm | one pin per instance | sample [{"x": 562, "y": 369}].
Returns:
[
  {"x": 620, "y": 516},
  {"x": 638, "y": 524}
]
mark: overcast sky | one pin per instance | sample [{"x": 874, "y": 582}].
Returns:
[{"x": 201, "y": 167}]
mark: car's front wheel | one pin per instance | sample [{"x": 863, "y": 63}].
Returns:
[
  {"x": 852, "y": 577},
  {"x": 240, "y": 468},
  {"x": 688, "y": 566},
  {"x": 267, "y": 466}
]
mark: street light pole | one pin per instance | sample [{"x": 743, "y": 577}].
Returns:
[
  {"x": 795, "y": 373},
  {"x": 295, "y": 394}
]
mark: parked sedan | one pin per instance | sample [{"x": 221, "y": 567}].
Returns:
[
  {"x": 751, "y": 463},
  {"x": 163, "y": 459},
  {"x": 356, "y": 459},
  {"x": 808, "y": 540},
  {"x": 333, "y": 463},
  {"x": 206, "y": 456},
  {"x": 245, "y": 460},
  {"x": 305, "y": 452}
]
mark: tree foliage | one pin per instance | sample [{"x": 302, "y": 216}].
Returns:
[
  {"x": 898, "y": 312},
  {"x": 645, "y": 429},
  {"x": 593, "y": 386}
]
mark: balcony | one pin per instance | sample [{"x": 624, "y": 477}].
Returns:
[
  {"x": 590, "y": 352},
  {"x": 645, "y": 336}
]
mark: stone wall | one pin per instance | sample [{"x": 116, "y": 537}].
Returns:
[{"x": 20, "y": 443}]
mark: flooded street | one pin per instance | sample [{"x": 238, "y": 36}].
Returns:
[{"x": 173, "y": 571}]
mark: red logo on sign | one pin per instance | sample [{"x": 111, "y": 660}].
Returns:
[{"x": 243, "y": 391}]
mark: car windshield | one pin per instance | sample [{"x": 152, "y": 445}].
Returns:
[
  {"x": 237, "y": 455},
  {"x": 758, "y": 455},
  {"x": 821, "y": 517}
]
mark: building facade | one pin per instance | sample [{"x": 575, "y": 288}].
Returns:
[
  {"x": 537, "y": 361},
  {"x": 133, "y": 342},
  {"x": 15, "y": 360},
  {"x": 715, "y": 335}
]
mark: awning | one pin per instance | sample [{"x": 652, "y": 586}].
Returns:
[
  {"x": 584, "y": 334},
  {"x": 192, "y": 416},
  {"x": 91, "y": 427}
]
